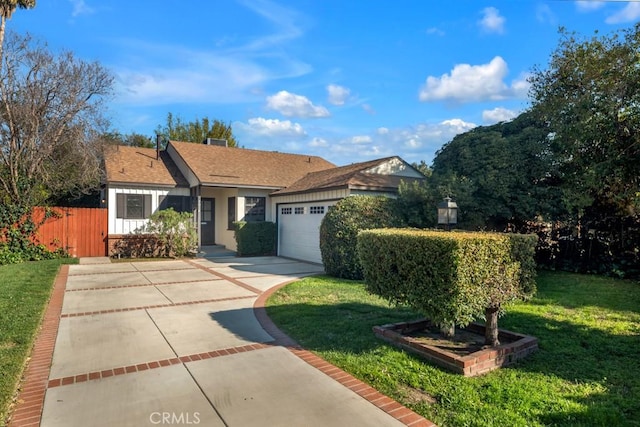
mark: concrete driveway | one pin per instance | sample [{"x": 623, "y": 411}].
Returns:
[{"x": 188, "y": 343}]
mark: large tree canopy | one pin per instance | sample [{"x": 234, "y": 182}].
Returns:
[
  {"x": 51, "y": 114},
  {"x": 498, "y": 174},
  {"x": 197, "y": 131},
  {"x": 589, "y": 98}
]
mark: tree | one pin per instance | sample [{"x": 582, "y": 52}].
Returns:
[
  {"x": 451, "y": 278},
  {"x": 499, "y": 174},
  {"x": 197, "y": 131},
  {"x": 423, "y": 167},
  {"x": 589, "y": 99},
  {"x": 131, "y": 140},
  {"x": 51, "y": 111},
  {"x": 7, "y": 7}
]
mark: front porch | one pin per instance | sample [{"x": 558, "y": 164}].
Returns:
[{"x": 215, "y": 251}]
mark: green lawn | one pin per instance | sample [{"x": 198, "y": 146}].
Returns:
[
  {"x": 586, "y": 371},
  {"x": 24, "y": 292}
]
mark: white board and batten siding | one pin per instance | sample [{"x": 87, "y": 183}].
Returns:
[
  {"x": 128, "y": 226},
  {"x": 299, "y": 218}
]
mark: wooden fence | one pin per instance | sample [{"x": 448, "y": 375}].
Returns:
[{"x": 80, "y": 231}]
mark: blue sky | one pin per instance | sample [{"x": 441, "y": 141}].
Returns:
[{"x": 347, "y": 80}]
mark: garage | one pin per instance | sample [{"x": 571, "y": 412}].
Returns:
[
  {"x": 300, "y": 207},
  {"x": 299, "y": 230}
]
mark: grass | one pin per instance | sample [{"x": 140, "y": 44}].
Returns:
[
  {"x": 584, "y": 373},
  {"x": 24, "y": 292}
]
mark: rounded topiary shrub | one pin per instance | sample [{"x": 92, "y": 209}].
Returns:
[{"x": 340, "y": 227}]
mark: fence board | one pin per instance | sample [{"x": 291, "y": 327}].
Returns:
[{"x": 81, "y": 231}]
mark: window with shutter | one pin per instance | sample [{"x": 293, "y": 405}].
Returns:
[{"x": 133, "y": 206}]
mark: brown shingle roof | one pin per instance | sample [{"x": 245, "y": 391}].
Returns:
[
  {"x": 134, "y": 165},
  {"x": 215, "y": 165},
  {"x": 350, "y": 176}
]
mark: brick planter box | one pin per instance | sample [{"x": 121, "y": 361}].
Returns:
[{"x": 516, "y": 346}]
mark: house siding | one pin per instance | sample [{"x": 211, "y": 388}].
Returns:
[{"x": 120, "y": 226}]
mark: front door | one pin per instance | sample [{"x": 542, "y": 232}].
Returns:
[{"x": 207, "y": 223}]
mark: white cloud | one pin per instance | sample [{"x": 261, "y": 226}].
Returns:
[
  {"x": 589, "y": 5},
  {"x": 292, "y": 105},
  {"x": 147, "y": 76},
  {"x": 544, "y": 14},
  {"x": 435, "y": 31},
  {"x": 274, "y": 127},
  {"x": 468, "y": 83},
  {"x": 630, "y": 13},
  {"x": 498, "y": 114},
  {"x": 80, "y": 8},
  {"x": 337, "y": 94},
  {"x": 520, "y": 86},
  {"x": 413, "y": 143},
  {"x": 282, "y": 19},
  {"x": 318, "y": 142},
  {"x": 492, "y": 21},
  {"x": 454, "y": 127},
  {"x": 361, "y": 139},
  {"x": 369, "y": 109}
]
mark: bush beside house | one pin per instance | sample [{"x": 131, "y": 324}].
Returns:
[
  {"x": 167, "y": 234},
  {"x": 340, "y": 227},
  {"x": 255, "y": 238}
]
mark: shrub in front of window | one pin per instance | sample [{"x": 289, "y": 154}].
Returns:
[
  {"x": 255, "y": 238},
  {"x": 451, "y": 278},
  {"x": 175, "y": 231},
  {"x": 340, "y": 227}
]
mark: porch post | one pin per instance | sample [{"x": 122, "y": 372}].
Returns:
[{"x": 198, "y": 216}]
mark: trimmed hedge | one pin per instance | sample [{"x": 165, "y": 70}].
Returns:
[
  {"x": 255, "y": 238},
  {"x": 450, "y": 277},
  {"x": 340, "y": 227}
]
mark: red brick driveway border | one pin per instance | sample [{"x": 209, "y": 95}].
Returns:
[
  {"x": 385, "y": 403},
  {"x": 28, "y": 407}
]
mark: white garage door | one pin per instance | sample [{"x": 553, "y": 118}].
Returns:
[{"x": 299, "y": 230}]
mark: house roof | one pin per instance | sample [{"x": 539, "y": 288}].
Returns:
[
  {"x": 223, "y": 166},
  {"x": 355, "y": 176},
  {"x": 135, "y": 165}
]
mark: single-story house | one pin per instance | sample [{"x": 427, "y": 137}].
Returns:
[{"x": 221, "y": 185}]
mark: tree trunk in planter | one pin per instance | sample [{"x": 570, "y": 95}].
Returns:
[
  {"x": 448, "y": 329},
  {"x": 491, "y": 326}
]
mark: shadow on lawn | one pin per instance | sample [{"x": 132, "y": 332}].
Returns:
[
  {"x": 575, "y": 353},
  {"x": 343, "y": 326}
]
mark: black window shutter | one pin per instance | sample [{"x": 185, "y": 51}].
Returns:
[
  {"x": 147, "y": 205},
  {"x": 120, "y": 204}
]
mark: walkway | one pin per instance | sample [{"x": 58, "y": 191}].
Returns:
[{"x": 185, "y": 343}]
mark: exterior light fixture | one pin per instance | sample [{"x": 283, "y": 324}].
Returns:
[{"x": 447, "y": 213}]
